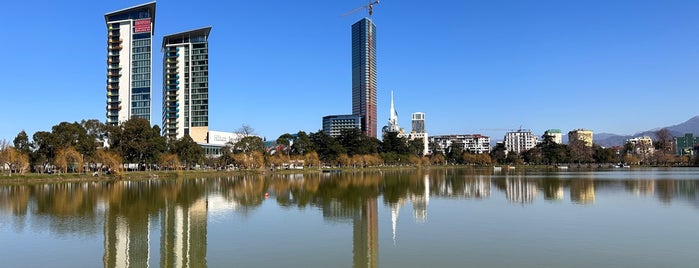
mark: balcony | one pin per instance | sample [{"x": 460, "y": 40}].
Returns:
[
  {"x": 114, "y": 41},
  {"x": 113, "y": 107},
  {"x": 113, "y": 87},
  {"x": 114, "y": 67},
  {"x": 114, "y": 60},
  {"x": 113, "y": 74},
  {"x": 171, "y": 66},
  {"x": 115, "y": 47}
]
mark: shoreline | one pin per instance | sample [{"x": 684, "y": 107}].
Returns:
[{"x": 159, "y": 174}]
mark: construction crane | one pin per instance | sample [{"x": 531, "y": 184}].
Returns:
[{"x": 369, "y": 7}]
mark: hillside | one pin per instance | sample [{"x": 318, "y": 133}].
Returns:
[{"x": 609, "y": 140}]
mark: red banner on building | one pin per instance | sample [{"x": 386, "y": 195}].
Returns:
[{"x": 142, "y": 26}]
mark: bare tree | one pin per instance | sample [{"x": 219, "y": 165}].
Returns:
[{"x": 245, "y": 130}]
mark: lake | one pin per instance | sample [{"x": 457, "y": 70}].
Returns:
[{"x": 439, "y": 217}]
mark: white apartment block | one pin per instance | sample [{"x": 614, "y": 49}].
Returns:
[
  {"x": 474, "y": 143},
  {"x": 520, "y": 141}
]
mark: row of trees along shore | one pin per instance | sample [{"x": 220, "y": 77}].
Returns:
[{"x": 76, "y": 147}]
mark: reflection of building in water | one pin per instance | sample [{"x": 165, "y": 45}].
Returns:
[
  {"x": 582, "y": 191},
  {"x": 641, "y": 187},
  {"x": 473, "y": 187},
  {"x": 395, "y": 212},
  {"x": 126, "y": 240},
  {"x": 420, "y": 202},
  {"x": 519, "y": 190},
  {"x": 478, "y": 187},
  {"x": 183, "y": 235},
  {"x": 366, "y": 235}
]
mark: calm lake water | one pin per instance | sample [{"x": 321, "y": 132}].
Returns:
[{"x": 426, "y": 218}]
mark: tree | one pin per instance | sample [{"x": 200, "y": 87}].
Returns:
[
  {"x": 393, "y": 143},
  {"x": 302, "y": 144},
  {"x": 169, "y": 161},
  {"x": 188, "y": 151},
  {"x": 663, "y": 140},
  {"x": 110, "y": 160},
  {"x": 328, "y": 149},
  {"x": 416, "y": 147},
  {"x": 356, "y": 143},
  {"x": 580, "y": 152},
  {"x": 66, "y": 157},
  {"x": 245, "y": 130},
  {"x": 250, "y": 144},
  {"x": 95, "y": 128},
  {"x": 72, "y": 135},
  {"x": 455, "y": 153},
  {"x": 136, "y": 141},
  {"x": 12, "y": 158},
  {"x": 22, "y": 144},
  {"x": 285, "y": 140},
  {"x": 499, "y": 153},
  {"x": 604, "y": 155}
]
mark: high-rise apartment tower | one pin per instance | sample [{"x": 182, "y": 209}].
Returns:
[
  {"x": 129, "y": 62},
  {"x": 364, "y": 74},
  {"x": 186, "y": 84},
  {"x": 419, "y": 122}
]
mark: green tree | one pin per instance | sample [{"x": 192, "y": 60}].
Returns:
[
  {"x": 250, "y": 144},
  {"x": 188, "y": 151},
  {"x": 604, "y": 155},
  {"x": 416, "y": 147},
  {"x": 392, "y": 143},
  {"x": 499, "y": 153},
  {"x": 302, "y": 144},
  {"x": 356, "y": 143},
  {"x": 328, "y": 148},
  {"x": 455, "y": 153},
  {"x": 285, "y": 140},
  {"x": 22, "y": 144},
  {"x": 137, "y": 142}
]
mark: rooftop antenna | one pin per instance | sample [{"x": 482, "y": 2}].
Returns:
[{"x": 369, "y": 7}]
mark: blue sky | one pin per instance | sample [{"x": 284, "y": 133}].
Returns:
[{"x": 471, "y": 66}]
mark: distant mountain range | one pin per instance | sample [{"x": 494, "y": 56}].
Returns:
[{"x": 609, "y": 140}]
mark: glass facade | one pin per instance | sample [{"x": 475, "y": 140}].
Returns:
[
  {"x": 364, "y": 75},
  {"x": 334, "y": 124}
]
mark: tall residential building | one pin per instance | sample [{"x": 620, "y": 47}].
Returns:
[
  {"x": 334, "y": 124},
  {"x": 583, "y": 135},
  {"x": 129, "y": 62},
  {"x": 186, "y": 84},
  {"x": 364, "y": 74},
  {"x": 520, "y": 141},
  {"x": 419, "y": 132},
  {"x": 419, "y": 122}
]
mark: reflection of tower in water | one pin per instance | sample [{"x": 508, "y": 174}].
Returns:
[
  {"x": 183, "y": 235},
  {"x": 395, "y": 212},
  {"x": 366, "y": 235},
  {"x": 126, "y": 240},
  {"x": 420, "y": 202},
  {"x": 582, "y": 191},
  {"x": 128, "y": 224},
  {"x": 519, "y": 190}
]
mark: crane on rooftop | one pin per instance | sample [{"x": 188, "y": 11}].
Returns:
[{"x": 369, "y": 7}]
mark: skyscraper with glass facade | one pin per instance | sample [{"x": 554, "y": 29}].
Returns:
[
  {"x": 186, "y": 84},
  {"x": 364, "y": 74},
  {"x": 129, "y": 62}
]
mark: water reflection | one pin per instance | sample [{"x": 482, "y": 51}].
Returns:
[{"x": 165, "y": 221}]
